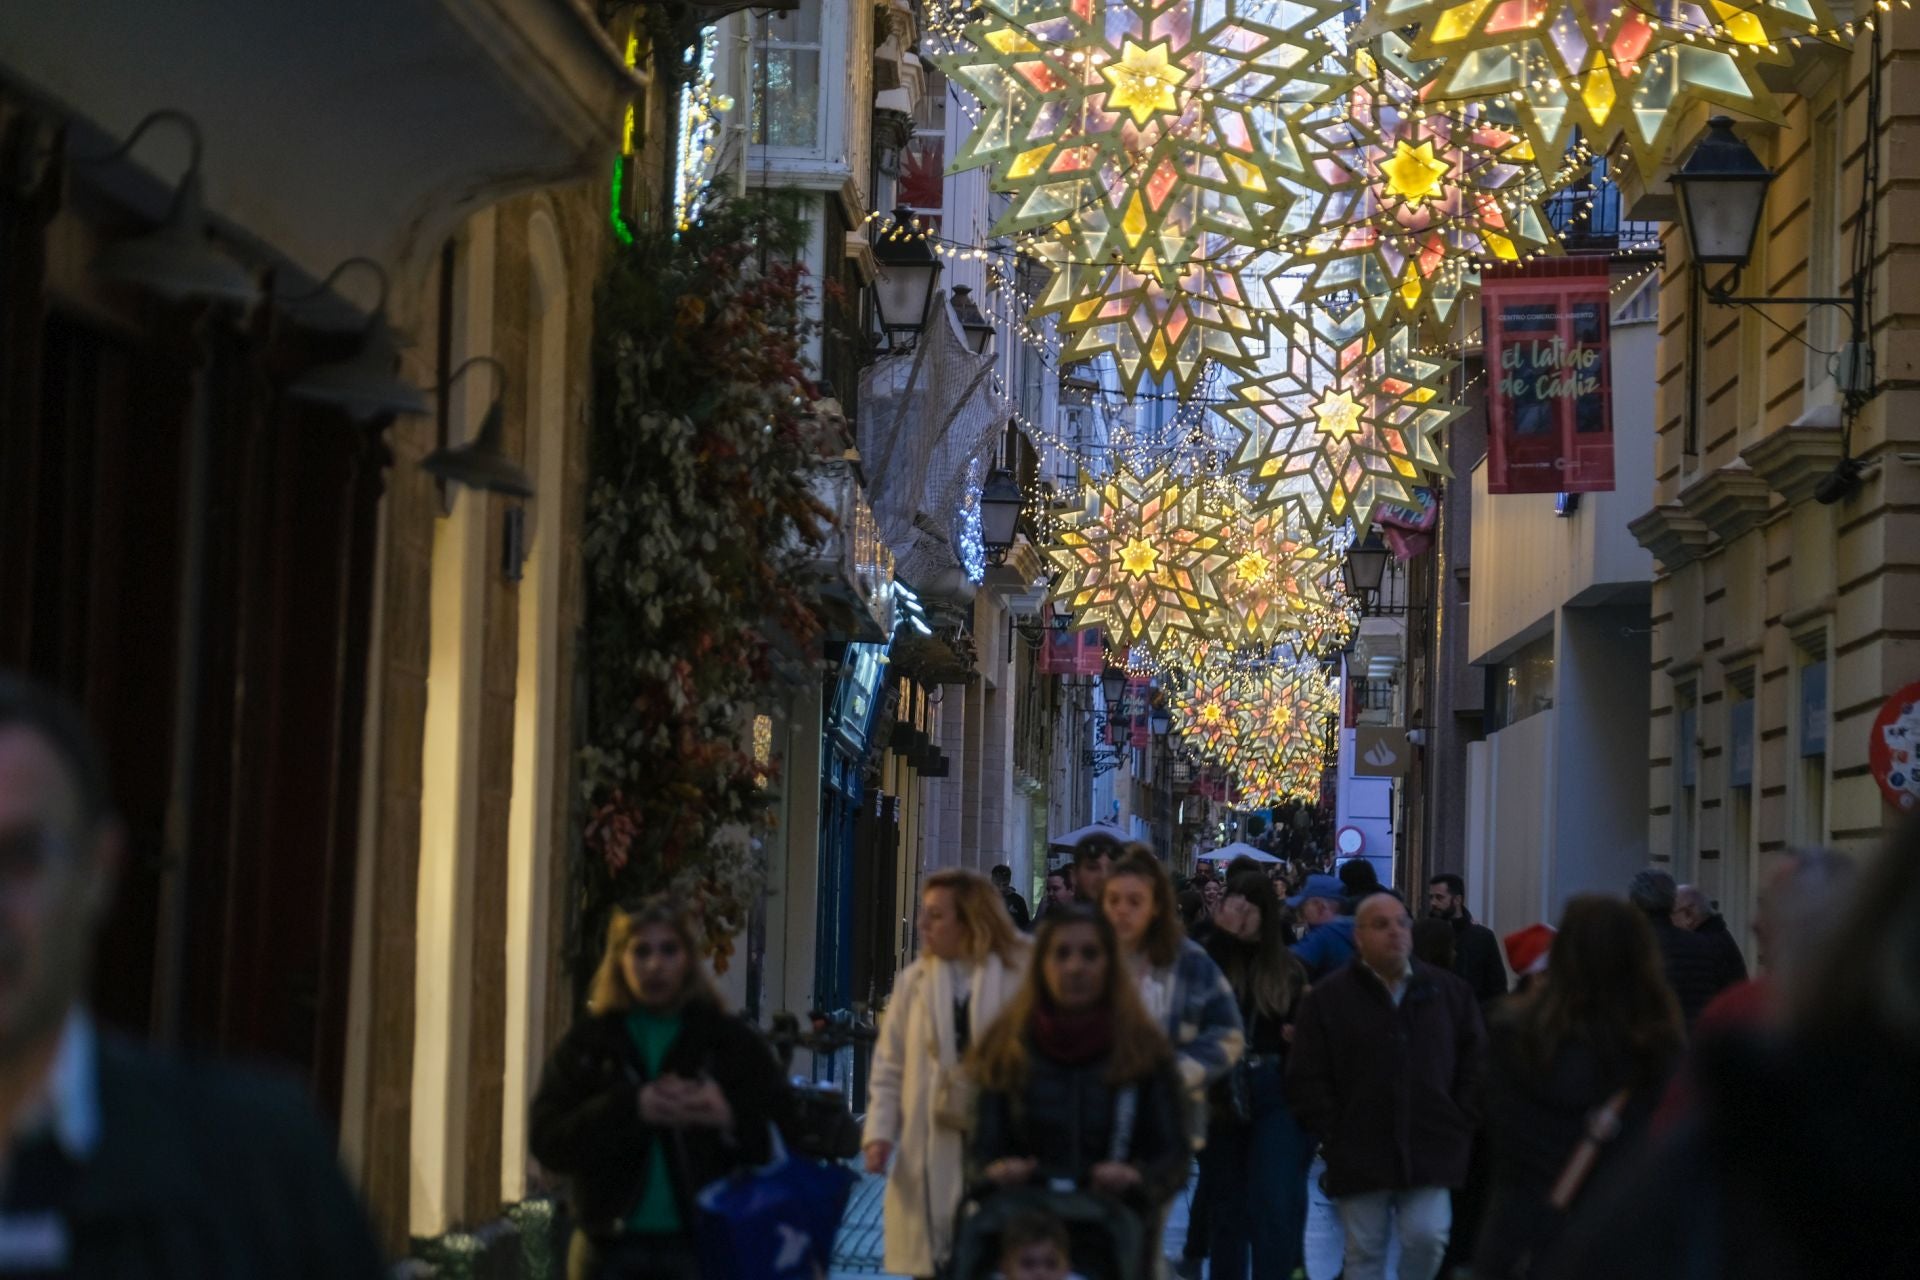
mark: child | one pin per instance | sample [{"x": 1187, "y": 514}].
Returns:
[{"x": 1034, "y": 1247}]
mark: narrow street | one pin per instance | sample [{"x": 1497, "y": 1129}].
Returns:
[{"x": 1323, "y": 597}]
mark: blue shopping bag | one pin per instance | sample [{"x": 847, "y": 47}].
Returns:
[{"x": 777, "y": 1222}]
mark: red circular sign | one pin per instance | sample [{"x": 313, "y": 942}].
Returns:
[{"x": 1893, "y": 751}]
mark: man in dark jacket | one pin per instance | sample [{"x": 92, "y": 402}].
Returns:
[
  {"x": 121, "y": 1162},
  {"x": 1385, "y": 1070},
  {"x": 1693, "y": 965},
  {"x": 1693, "y": 911},
  {"x": 1476, "y": 952},
  {"x": 1016, "y": 905}
]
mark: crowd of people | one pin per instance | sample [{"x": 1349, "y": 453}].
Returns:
[
  {"x": 1638, "y": 1105},
  {"x": 1448, "y": 1102}
]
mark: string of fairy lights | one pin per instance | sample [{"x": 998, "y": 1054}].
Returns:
[{"x": 1270, "y": 215}]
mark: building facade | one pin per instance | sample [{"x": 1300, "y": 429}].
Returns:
[{"x": 1788, "y": 580}]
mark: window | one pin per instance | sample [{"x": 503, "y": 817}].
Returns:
[
  {"x": 1810, "y": 748},
  {"x": 923, "y": 162},
  {"x": 1522, "y": 685},
  {"x": 786, "y": 101}
]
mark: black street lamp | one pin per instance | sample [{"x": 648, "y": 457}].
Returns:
[
  {"x": 903, "y": 289},
  {"x": 978, "y": 329},
  {"x": 1113, "y": 685},
  {"x": 1722, "y": 187},
  {"x": 1365, "y": 566},
  {"x": 1000, "y": 504}
]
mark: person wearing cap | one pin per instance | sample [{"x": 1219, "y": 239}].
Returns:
[{"x": 1328, "y": 941}]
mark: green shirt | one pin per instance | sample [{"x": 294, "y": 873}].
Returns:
[{"x": 657, "y": 1213}]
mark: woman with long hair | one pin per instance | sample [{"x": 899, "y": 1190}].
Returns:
[
  {"x": 918, "y": 1097},
  {"x": 653, "y": 1095},
  {"x": 1181, "y": 987},
  {"x": 1599, "y": 1036},
  {"x": 1255, "y": 1161},
  {"x": 1076, "y": 1082}
]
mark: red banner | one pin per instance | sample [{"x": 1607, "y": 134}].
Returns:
[
  {"x": 1072, "y": 653},
  {"x": 1549, "y": 398}
]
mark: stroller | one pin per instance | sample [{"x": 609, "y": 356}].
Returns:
[{"x": 1107, "y": 1237}]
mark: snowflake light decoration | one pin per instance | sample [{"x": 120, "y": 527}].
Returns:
[
  {"x": 1620, "y": 70},
  {"x": 1150, "y": 147},
  {"x": 1420, "y": 194},
  {"x": 1207, "y": 714},
  {"x": 1147, "y": 560},
  {"x": 1275, "y": 583},
  {"x": 1154, "y": 321},
  {"x": 1344, "y": 418}
]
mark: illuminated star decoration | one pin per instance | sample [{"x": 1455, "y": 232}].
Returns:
[
  {"x": 1150, "y": 148},
  {"x": 1146, "y": 561},
  {"x": 1206, "y": 715},
  {"x": 1152, "y": 321},
  {"x": 1623, "y": 69},
  {"x": 1299, "y": 451},
  {"x": 1275, "y": 584},
  {"x": 1280, "y": 735},
  {"x": 1420, "y": 193}
]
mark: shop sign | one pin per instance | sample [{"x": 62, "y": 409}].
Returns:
[
  {"x": 1549, "y": 397},
  {"x": 1380, "y": 751}
]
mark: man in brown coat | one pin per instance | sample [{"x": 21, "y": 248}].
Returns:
[{"x": 1387, "y": 1058}]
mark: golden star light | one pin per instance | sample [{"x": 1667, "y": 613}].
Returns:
[
  {"x": 1412, "y": 173},
  {"x": 1145, "y": 562},
  {"x": 1321, "y": 478},
  {"x": 1144, "y": 80},
  {"x": 1339, "y": 414},
  {"x": 1621, "y": 70}
]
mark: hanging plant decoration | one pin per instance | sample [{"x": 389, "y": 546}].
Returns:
[{"x": 698, "y": 516}]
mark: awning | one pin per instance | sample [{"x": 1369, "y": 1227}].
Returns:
[
  {"x": 1238, "y": 849},
  {"x": 369, "y": 127}
]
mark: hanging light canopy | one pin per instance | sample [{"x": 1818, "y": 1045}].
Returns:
[
  {"x": 1722, "y": 187},
  {"x": 903, "y": 289},
  {"x": 175, "y": 259},
  {"x": 482, "y": 462}
]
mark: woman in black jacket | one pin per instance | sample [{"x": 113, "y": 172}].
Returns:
[
  {"x": 1077, "y": 1083},
  {"x": 1254, "y": 1165},
  {"x": 654, "y": 1095},
  {"x": 1601, "y": 1032}
]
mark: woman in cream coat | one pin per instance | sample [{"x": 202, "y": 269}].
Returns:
[{"x": 970, "y": 964}]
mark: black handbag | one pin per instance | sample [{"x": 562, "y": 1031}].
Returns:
[{"x": 819, "y": 1124}]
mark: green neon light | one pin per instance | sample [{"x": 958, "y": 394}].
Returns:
[{"x": 621, "y": 231}]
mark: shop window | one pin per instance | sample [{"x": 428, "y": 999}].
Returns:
[{"x": 1522, "y": 685}]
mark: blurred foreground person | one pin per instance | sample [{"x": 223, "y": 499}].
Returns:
[
  {"x": 655, "y": 1094},
  {"x": 121, "y": 1162},
  {"x": 1595, "y": 1040},
  {"x": 1798, "y": 1156}
]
